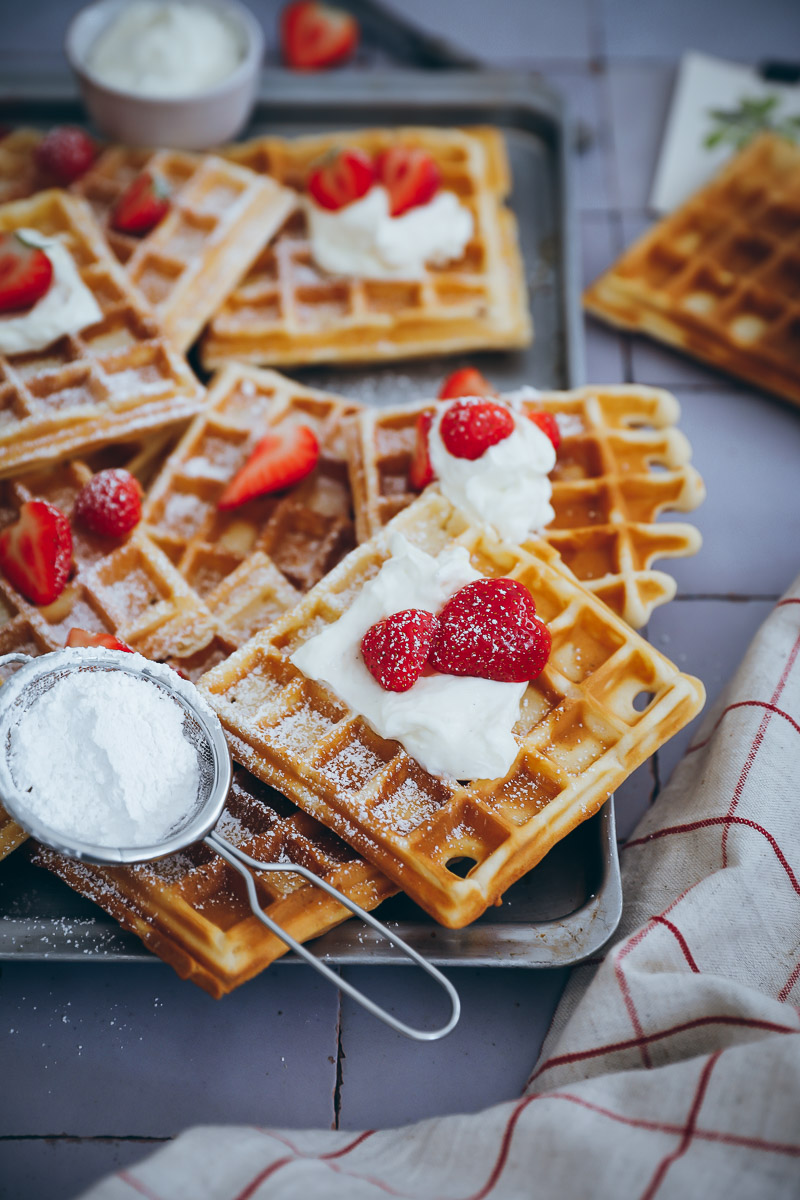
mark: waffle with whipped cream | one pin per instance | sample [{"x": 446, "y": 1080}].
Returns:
[
  {"x": 290, "y": 311},
  {"x": 720, "y": 277},
  {"x": 113, "y": 380},
  {"x": 191, "y": 908},
  {"x": 304, "y": 530},
  {"x": 455, "y": 847},
  {"x": 620, "y": 464},
  {"x": 220, "y": 216}
]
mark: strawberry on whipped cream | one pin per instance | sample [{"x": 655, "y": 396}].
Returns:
[
  {"x": 452, "y": 725},
  {"x": 65, "y": 307},
  {"x": 507, "y": 487}
]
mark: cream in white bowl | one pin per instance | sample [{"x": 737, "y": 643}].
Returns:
[{"x": 181, "y": 73}]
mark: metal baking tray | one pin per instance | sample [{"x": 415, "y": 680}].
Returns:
[{"x": 565, "y": 909}]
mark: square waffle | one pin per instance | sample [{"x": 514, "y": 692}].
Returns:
[
  {"x": 112, "y": 381},
  {"x": 621, "y": 462},
  {"x": 191, "y": 908},
  {"x": 220, "y": 216},
  {"x": 305, "y": 530},
  {"x": 720, "y": 277},
  {"x": 580, "y": 732},
  {"x": 288, "y": 310}
]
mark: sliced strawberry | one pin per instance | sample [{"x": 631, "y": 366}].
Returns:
[
  {"x": 65, "y": 153},
  {"x": 469, "y": 427},
  {"x": 548, "y": 425},
  {"x": 340, "y": 178},
  {"x": 110, "y": 503},
  {"x": 467, "y": 381},
  {"x": 278, "y": 461},
  {"x": 316, "y": 35},
  {"x": 82, "y": 637},
  {"x": 36, "y": 552},
  {"x": 395, "y": 650},
  {"x": 410, "y": 176},
  {"x": 421, "y": 473},
  {"x": 142, "y": 205},
  {"x": 25, "y": 273},
  {"x": 489, "y": 629}
]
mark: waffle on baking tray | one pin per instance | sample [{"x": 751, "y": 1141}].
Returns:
[
  {"x": 112, "y": 381},
  {"x": 720, "y": 277},
  {"x": 580, "y": 733},
  {"x": 621, "y": 462},
  {"x": 304, "y": 531},
  {"x": 289, "y": 311},
  {"x": 220, "y": 216}
]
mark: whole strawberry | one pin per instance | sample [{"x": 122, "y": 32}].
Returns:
[
  {"x": 65, "y": 153},
  {"x": 466, "y": 381},
  {"x": 548, "y": 425},
  {"x": 395, "y": 649},
  {"x": 489, "y": 629},
  {"x": 110, "y": 503},
  {"x": 469, "y": 427}
]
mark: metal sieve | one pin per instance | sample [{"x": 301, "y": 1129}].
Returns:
[{"x": 203, "y": 730}]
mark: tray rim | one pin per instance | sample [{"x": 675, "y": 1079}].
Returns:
[{"x": 559, "y": 942}]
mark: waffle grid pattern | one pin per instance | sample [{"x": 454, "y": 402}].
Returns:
[
  {"x": 288, "y": 311},
  {"x": 580, "y": 733},
  {"x": 109, "y": 382},
  {"x": 19, "y": 176},
  {"x": 304, "y": 531},
  {"x": 220, "y": 216},
  {"x": 620, "y": 464},
  {"x": 720, "y": 278}
]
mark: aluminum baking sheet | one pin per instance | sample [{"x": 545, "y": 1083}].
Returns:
[{"x": 565, "y": 909}]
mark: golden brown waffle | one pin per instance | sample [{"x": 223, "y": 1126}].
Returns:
[
  {"x": 620, "y": 464},
  {"x": 220, "y": 217},
  {"x": 19, "y": 175},
  {"x": 112, "y": 381},
  {"x": 579, "y": 732},
  {"x": 288, "y": 310},
  {"x": 305, "y": 531},
  {"x": 720, "y": 278},
  {"x": 191, "y": 908}
]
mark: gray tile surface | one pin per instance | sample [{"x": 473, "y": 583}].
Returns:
[
  {"x": 62, "y": 1168},
  {"x": 737, "y": 29},
  {"x": 639, "y": 96}
]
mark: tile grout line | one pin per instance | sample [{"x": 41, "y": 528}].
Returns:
[{"x": 337, "y": 1090}]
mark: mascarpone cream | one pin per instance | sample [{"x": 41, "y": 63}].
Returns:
[
  {"x": 66, "y": 306},
  {"x": 362, "y": 239},
  {"x": 452, "y": 725},
  {"x": 508, "y": 486}
]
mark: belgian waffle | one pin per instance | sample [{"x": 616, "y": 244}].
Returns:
[
  {"x": 580, "y": 733},
  {"x": 305, "y": 531},
  {"x": 19, "y": 175},
  {"x": 720, "y": 277},
  {"x": 221, "y": 215},
  {"x": 621, "y": 462},
  {"x": 191, "y": 908},
  {"x": 112, "y": 381},
  {"x": 287, "y": 310}
]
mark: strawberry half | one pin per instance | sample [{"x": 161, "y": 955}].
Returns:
[
  {"x": 421, "y": 472},
  {"x": 410, "y": 176},
  {"x": 316, "y": 35},
  {"x": 65, "y": 153},
  {"x": 489, "y": 629},
  {"x": 82, "y": 637},
  {"x": 110, "y": 503},
  {"x": 548, "y": 425},
  {"x": 395, "y": 649},
  {"x": 340, "y": 178},
  {"x": 36, "y": 552},
  {"x": 278, "y": 461},
  {"x": 467, "y": 381},
  {"x": 142, "y": 205},
  {"x": 469, "y": 427},
  {"x": 25, "y": 273}
]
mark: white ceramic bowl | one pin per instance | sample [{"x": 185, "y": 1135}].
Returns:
[{"x": 191, "y": 122}]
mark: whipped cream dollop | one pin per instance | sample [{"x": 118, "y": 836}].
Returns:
[
  {"x": 156, "y": 49},
  {"x": 508, "y": 486},
  {"x": 363, "y": 239},
  {"x": 66, "y": 306},
  {"x": 452, "y": 725}
]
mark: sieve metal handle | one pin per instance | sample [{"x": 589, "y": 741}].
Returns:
[
  {"x": 17, "y": 657},
  {"x": 241, "y": 861}
]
